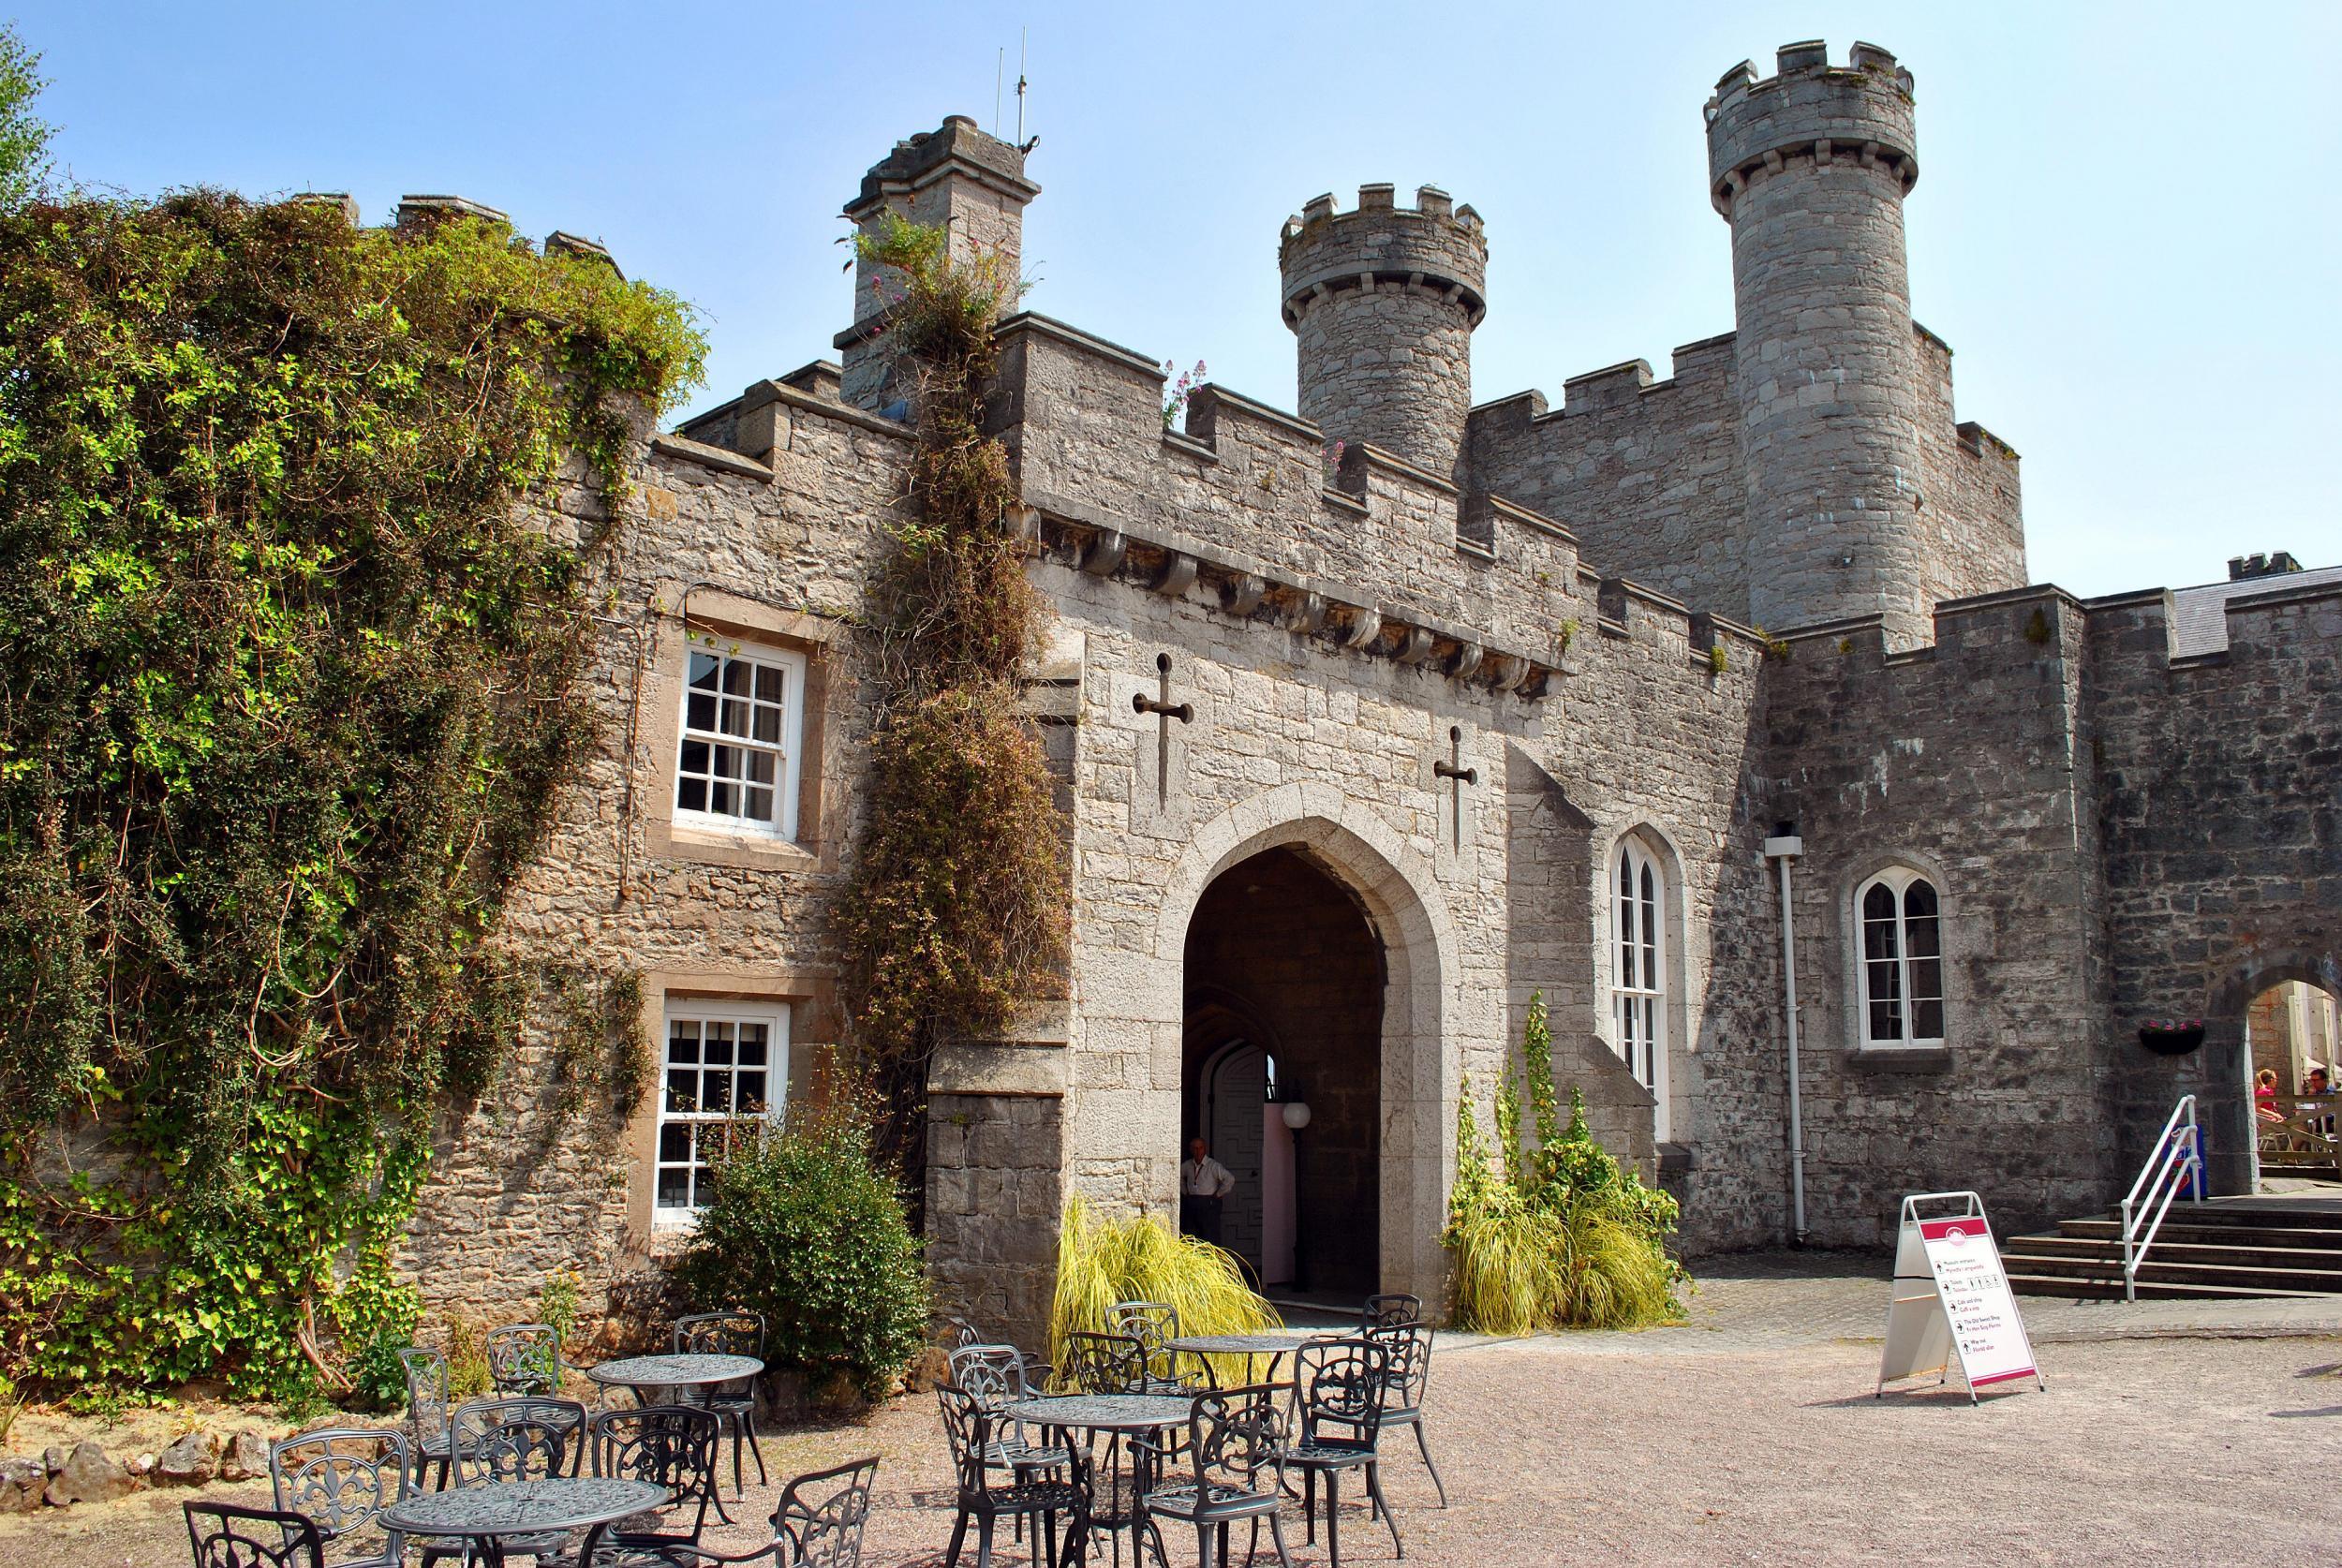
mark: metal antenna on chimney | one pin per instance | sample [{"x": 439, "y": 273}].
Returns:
[
  {"x": 1021, "y": 87},
  {"x": 1000, "y": 70}
]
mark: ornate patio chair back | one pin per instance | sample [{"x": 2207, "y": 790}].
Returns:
[
  {"x": 340, "y": 1477},
  {"x": 1103, "y": 1364},
  {"x": 1234, "y": 1434},
  {"x": 1390, "y": 1310},
  {"x": 222, "y": 1535},
  {"x": 668, "y": 1446},
  {"x": 1154, "y": 1324},
  {"x": 995, "y": 1374},
  {"x": 732, "y": 1333},
  {"x": 426, "y": 1394},
  {"x": 1409, "y": 1347},
  {"x": 821, "y": 1515},
  {"x": 967, "y": 1428},
  {"x": 525, "y": 1358},
  {"x": 1342, "y": 1384},
  {"x": 517, "y": 1439}
]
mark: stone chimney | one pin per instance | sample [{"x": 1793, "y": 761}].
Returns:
[
  {"x": 2241, "y": 568},
  {"x": 956, "y": 178}
]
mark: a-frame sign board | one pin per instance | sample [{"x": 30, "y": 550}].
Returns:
[{"x": 1951, "y": 1296}]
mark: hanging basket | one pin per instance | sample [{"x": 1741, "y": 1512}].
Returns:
[{"x": 2171, "y": 1037}]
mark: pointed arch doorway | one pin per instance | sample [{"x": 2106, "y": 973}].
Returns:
[{"x": 1284, "y": 975}]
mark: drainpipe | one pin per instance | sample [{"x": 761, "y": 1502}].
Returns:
[{"x": 1783, "y": 848}]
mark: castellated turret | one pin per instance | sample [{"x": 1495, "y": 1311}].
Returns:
[
  {"x": 1382, "y": 301},
  {"x": 1810, "y": 167}
]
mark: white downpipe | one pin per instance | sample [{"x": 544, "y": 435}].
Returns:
[{"x": 1784, "y": 851}]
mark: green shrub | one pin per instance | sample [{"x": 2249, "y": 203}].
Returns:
[
  {"x": 378, "y": 1378},
  {"x": 1558, "y": 1234},
  {"x": 802, "y": 1225},
  {"x": 1102, "y": 1261}
]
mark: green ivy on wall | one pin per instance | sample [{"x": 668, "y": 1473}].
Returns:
[{"x": 289, "y": 688}]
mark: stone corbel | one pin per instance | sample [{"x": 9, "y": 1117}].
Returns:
[
  {"x": 1361, "y": 627},
  {"x": 1179, "y": 576},
  {"x": 1414, "y": 647},
  {"x": 1466, "y": 660},
  {"x": 1243, "y": 594},
  {"x": 1501, "y": 670},
  {"x": 1305, "y": 612},
  {"x": 1105, "y": 552},
  {"x": 1024, "y": 522}
]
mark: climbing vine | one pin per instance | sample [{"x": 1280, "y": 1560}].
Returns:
[
  {"x": 287, "y": 681},
  {"x": 956, "y": 914}
]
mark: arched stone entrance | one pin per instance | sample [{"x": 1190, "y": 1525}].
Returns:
[
  {"x": 1278, "y": 941},
  {"x": 1419, "y": 1029}
]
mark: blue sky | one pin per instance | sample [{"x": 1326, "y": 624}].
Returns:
[{"x": 2124, "y": 224}]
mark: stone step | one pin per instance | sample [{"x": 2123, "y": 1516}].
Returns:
[
  {"x": 2175, "y": 1228},
  {"x": 2225, "y": 1278},
  {"x": 2199, "y": 1246},
  {"x": 2262, "y": 1215},
  {"x": 2148, "y": 1290}
]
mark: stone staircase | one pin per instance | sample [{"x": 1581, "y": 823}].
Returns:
[{"x": 2228, "y": 1247}]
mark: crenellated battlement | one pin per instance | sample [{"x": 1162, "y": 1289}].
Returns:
[
  {"x": 1811, "y": 113},
  {"x": 1434, "y": 248}
]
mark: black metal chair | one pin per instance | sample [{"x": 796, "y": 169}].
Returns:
[
  {"x": 995, "y": 1375},
  {"x": 669, "y": 1445},
  {"x": 526, "y": 1438},
  {"x": 428, "y": 1411},
  {"x": 339, "y": 1478},
  {"x": 1234, "y": 1440},
  {"x": 1410, "y": 1348},
  {"x": 1154, "y": 1324},
  {"x": 1103, "y": 1364},
  {"x": 818, "y": 1525},
  {"x": 1339, "y": 1389},
  {"x": 525, "y": 1358},
  {"x": 734, "y": 1402},
  {"x": 969, "y": 1429},
  {"x": 1391, "y": 1309},
  {"x": 222, "y": 1535}
]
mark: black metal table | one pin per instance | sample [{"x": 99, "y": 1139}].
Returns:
[
  {"x": 1114, "y": 1506},
  {"x": 495, "y": 1509},
  {"x": 1274, "y": 1346},
  {"x": 672, "y": 1375}
]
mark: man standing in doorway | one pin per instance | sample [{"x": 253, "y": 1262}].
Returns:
[{"x": 1203, "y": 1182}]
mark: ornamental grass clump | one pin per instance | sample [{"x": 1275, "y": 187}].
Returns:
[
  {"x": 1555, "y": 1235},
  {"x": 1101, "y": 1262},
  {"x": 803, "y": 1224}
]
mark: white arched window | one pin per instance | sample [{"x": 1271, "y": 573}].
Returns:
[
  {"x": 1903, "y": 960},
  {"x": 1638, "y": 964}
]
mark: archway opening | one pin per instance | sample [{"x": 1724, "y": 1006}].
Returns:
[
  {"x": 1284, "y": 998},
  {"x": 2293, "y": 1034}
]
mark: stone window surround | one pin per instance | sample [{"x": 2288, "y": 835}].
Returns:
[
  {"x": 1678, "y": 962},
  {"x": 811, "y": 637},
  {"x": 1847, "y": 892},
  {"x": 811, "y": 998}
]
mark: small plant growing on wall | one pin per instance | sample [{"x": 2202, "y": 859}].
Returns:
[
  {"x": 1175, "y": 400},
  {"x": 1718, "y": 661}
]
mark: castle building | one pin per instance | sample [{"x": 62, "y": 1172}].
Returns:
[{"x": 1667, "y": 703}]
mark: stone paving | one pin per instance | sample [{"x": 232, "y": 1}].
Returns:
[{"x": 2170, "y": 1432}]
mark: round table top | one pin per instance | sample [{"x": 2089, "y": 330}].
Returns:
[
  {"x": 1103, "y": 1413},
  {"x": 1241, "y": 1344},
  {"x": 522, "y": 1507},
  {"x": 675, "y": 1372}
]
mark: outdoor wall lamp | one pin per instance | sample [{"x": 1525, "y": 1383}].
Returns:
[{"x": 1296, "y": 1113}]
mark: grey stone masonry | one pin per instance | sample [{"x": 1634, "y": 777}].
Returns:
[
  {"x": 955, "y": 178},
  {"x": 1382, "y": 301},
  {"x": 1810, "y": 168}
]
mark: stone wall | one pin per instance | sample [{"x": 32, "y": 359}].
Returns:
[
  {"x": 2223, "y": 839},
  {"x": 1964, "y": 761}
]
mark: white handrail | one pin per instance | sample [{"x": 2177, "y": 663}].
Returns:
[{"x": 2178, "y": 1149}]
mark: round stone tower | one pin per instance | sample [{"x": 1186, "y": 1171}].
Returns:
[
  {"x": 1382, "y": 301},
  {"x": 1810, "y": 168}
]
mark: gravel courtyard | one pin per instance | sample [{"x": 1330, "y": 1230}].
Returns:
[{"x": 2180, "y": 1433}]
